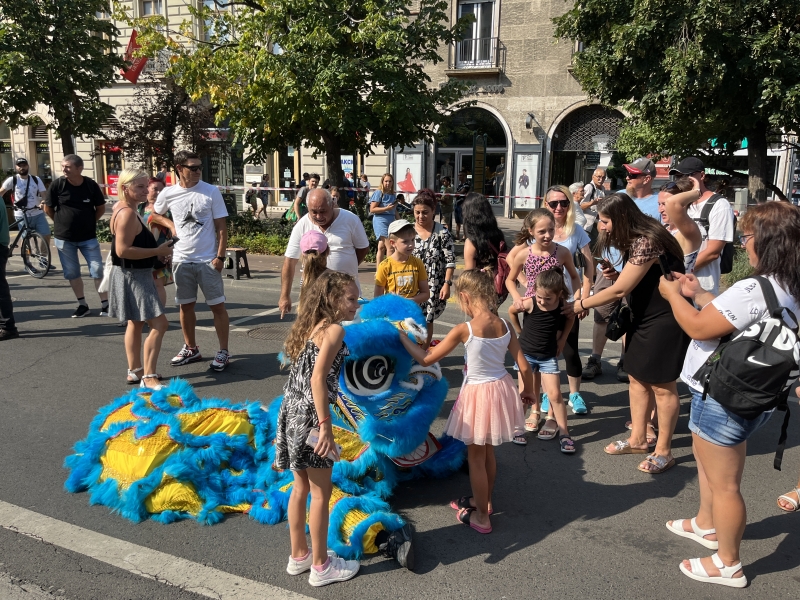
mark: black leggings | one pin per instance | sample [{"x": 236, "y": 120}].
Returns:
[{"x": 571, "y": 354}]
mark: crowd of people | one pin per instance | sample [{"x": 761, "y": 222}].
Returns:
[{"x": 646, "y": 262}]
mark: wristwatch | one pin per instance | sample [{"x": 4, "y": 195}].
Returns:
[
  {"x": 448, "y": 281},
  {"x": 222, "y": 258}
]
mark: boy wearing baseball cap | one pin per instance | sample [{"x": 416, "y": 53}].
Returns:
[{"x": 402, "y": 273}]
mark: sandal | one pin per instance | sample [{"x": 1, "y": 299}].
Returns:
[
  {"x": 661, "y": 464},
  {"x": 725, "y": 577},
  {"x": 532, "y": 422},
  {"x": 519, "y": 440},
  {"x": 624, "y": 447},
  {"x": 567, "y": 445},
  {"x": 150, "y": 389},
  {"x": 463, "y": 503},
  {"x": 133, "y": 373},
  {"x": 548, "y": 434},
  {"x": 463, "y": 517},
  {"x": 696, "y": 534},
  {"x": 795, "y": 503}
]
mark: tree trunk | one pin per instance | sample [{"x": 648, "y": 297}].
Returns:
[
  {"x": 67, "y": 143},
  {"x": 757, "y": 166},
  {"x": 333, "y": 159}
]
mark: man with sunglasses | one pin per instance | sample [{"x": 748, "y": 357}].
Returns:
[
  {"x": 640, "y": 175},
  {"x": 719, "y": 224},
  {"x": 199, "y": 217}
]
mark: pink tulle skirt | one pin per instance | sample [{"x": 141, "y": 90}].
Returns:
[{"x": 486, "y": 413}]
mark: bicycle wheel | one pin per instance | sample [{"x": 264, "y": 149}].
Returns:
[{"x": 35, "y": 255}]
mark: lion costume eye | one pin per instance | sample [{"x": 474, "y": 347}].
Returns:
[{"x": 368, "y": 376}]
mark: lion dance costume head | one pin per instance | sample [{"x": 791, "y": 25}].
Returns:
[{"x": 169, "y": 455}]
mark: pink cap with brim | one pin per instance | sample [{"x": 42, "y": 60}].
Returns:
[{"x": 313, "y": 240}]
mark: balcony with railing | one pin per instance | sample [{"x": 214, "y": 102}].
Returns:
[{"x": 476, "y": 56}]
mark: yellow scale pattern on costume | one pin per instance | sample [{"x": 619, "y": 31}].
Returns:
[
  {"x": 173, "y": 495},
  {"x": 128, "y": 459},
  {"x": 122, "y": 414},
  {"x": 217, "y": 420}
]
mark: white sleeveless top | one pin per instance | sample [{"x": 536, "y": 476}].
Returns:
[{"x": 485, "y": 357}]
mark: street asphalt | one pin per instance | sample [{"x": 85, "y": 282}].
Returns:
[{"x": 588, "y": 525}]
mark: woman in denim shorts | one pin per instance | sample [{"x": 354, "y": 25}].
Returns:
[{"x": 719, "y": 437}]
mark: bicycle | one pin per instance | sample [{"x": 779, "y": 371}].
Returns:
[{"x": 35, "y": 251}]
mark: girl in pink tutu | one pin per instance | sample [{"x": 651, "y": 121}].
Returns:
[{"x": 488, "y": 408}]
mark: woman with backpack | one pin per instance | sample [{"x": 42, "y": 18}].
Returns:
[
  {"x": 719, "y": 434},
  {"x": 484, "y": 241}
]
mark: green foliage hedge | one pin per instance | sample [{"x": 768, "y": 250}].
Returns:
[{"x": 741, "y": 269}]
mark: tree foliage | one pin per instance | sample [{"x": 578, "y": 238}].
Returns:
[
  {"x": 692, "y": 72},
  {"x": 336, "y": 75},
  {"x": 57, "y": 53},
  {"x": 160, "y": 119}
]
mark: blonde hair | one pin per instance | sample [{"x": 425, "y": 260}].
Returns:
[
  {"x": 479, "y": 285},
  {"x": 129, "y": 175},
  {"x": 569, "y": 224},
  {"x": 313, "y": 264},
  {"x": 319, "y": 304}
]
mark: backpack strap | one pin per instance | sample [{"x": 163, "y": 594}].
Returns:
[
  {"x": 706, "y": 212},
  {"x": 773, "y": 306},
  {"x": 776, "y": 463}
]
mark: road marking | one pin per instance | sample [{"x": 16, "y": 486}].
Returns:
[
  {"x": 152, "y": 564},
  {"x": 255, "y": 316}
]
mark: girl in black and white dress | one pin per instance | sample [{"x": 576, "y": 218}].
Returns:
[{"x": 316, "y": 349}]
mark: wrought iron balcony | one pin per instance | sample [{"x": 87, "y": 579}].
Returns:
[{"x": 477, "y": 54}]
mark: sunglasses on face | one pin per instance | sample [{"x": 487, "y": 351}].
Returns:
[
  {"x": 192, "y": 168},
  {"x": 634, "y": 175},
  {"x": 556, "y": 203}
]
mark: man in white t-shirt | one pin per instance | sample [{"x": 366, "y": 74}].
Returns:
[
  {"x": 29, "y": 190},
  {"x": 347, "y": 241},
  {"x": 199, "y": 223},
  {"x": 719, "y": 230}
]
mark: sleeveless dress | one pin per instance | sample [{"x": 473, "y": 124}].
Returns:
[
  {"x": 132, "y": 294},
  {"x": 488, "y": 408},
  {"x": 535, "y": 264},
  {"x": 298, "y": 415},
  {"x": 656, "y": 345}
]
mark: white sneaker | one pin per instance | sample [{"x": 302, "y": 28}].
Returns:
[
  {"x": 338, "y": 569},
  {"x": 296, "y": 567}
]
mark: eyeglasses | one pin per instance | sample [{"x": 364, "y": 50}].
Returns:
[
  {"x": 193, "y": 168},
  {"x": 743, "y": 238},
  {"x": 556, "y": 203}
]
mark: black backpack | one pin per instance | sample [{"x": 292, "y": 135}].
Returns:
[
  {"x": 753, "y": 371},
  {"x": 726, "y": 256}
]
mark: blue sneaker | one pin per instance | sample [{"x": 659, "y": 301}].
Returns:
[
  {"x": 545, "y": 404},
  {"x": 577, "y": 404}
]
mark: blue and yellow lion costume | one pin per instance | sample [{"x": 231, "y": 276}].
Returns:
[{"x": 170, "y": 455}]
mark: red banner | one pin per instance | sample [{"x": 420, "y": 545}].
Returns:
[
  {"x": 137, "y": 64},
  {"x": 111, "y": 181}
]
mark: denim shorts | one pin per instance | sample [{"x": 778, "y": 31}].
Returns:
[
  {"x": 714, "y": 423},
  {"x": 68, "y": 255},
  {"x": 37, "y": 223},
  {"x": 548, "y": 366},
  {"x": 188, "y": 276}
]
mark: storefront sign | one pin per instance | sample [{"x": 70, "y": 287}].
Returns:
[
  {"x": 347, "y": 163},
  {"x": 527, "y": 181},
  {"x": 592, "y": 159}
]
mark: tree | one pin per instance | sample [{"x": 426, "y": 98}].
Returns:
[
  {"x": 59, "y": 54},
  {"x": 343, "y": 75},
  {"x": 693, "y": 75},
  {"x": 160, "y": 119}
]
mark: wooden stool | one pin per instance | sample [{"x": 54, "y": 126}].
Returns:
[{"x": 236, "y": 263}]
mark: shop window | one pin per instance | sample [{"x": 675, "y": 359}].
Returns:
[
  {"x": 44, "y": 168},
  {"x": 6, "y": 158}
]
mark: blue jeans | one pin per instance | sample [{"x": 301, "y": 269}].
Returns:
[
  {"x": 714, "y": 423},
  {"x": 38, "y": 223},
  {"x": 68, "y": 255}
]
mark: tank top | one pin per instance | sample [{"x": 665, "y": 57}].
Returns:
[
  {"x": 690, "y": 260},
  {"x": 539, "y": 337},
  {"x": 143, "y": 239},
  {"x": 537, "y": 264},
  {"x": 485, "y": 357}
]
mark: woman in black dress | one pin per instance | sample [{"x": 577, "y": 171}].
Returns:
[{"x": 655, "y": 345}]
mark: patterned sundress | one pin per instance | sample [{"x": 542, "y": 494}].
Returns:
[{"x": 437, "y": 254}]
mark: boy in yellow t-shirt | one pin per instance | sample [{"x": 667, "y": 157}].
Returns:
[{"x": 401, "y": 273}]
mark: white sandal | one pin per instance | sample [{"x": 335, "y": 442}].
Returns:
[
  {"x": 795, "y": 503},
  {"x": 725, "y": 577},
  {"x": 133, "y": 373},
  {"x": 151, "y": 389},
  {"x": 696, "y": 534}
]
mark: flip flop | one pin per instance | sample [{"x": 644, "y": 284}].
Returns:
[
  {"x": 463, "y": 518},
  {"x": 660, "y": 463},
  {"x": 463, "y": 503},
  {"x": 624, "y": 447},
  {"x": 795, "y": 504}
]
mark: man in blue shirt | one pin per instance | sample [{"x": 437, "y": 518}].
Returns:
[{"x": 640, "y": 176}]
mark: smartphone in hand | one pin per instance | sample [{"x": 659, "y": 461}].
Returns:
[
  {"x": 665, "y": 270},
  {"x": 604, "y": 262},
  {"x": 313, "y": 440},
  {"x": 171, "y": 241}
]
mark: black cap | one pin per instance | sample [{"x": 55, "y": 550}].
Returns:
[
  {"x": 21, "y": 161},
  {"x": 689, "y": 165}
]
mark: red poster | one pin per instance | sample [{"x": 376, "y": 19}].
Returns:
[
  {"x": 136, "y": 64},
  {"x": 662, "y": 167},
  {"x": 111, "y": 181}
]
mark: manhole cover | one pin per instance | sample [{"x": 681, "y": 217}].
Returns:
[{"x": 273, "y": 331}]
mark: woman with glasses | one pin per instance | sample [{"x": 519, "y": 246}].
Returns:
[
  {"x": 654, "y": 343},
  {"x": 719, "y": 437}
]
